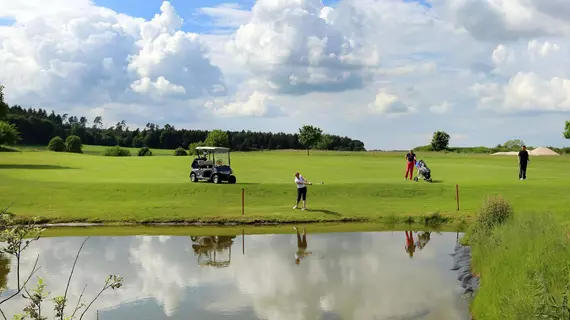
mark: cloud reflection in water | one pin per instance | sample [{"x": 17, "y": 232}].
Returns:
[{"x": 348, "y": 276}]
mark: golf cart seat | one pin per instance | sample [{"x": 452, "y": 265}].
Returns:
[{"x": 205, "y": 163}]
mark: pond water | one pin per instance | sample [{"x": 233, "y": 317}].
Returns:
[{"x": 345, "y": 275}]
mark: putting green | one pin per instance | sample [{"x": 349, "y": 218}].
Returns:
[{"x": 368, "y": 186}]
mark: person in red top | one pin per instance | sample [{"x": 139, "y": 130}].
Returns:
[
  {"x": 411, "y": 159},
  {"x": 410, "y": 245}
]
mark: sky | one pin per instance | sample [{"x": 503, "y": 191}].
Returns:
[{"x": 387, "y": 72}]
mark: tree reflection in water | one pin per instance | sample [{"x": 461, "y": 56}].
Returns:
[
  {"x": 209, "y": 246},
  {"x": 4, "y": 271}
]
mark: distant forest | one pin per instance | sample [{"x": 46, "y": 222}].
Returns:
[{"x": 37, "y": 127}]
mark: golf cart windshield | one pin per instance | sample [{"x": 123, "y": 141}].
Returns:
[{"x": 217, "y": 155}]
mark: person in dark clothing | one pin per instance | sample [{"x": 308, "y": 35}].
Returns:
[
  {"x": 411, "y": 161},
  {"x": 523, "y": 162}
]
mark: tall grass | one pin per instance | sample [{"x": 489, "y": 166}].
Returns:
[{"x": 525, "y": 269}]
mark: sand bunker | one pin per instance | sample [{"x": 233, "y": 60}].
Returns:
[
  {"x": 541, "y": 151},
  {"x": 510, "y": 153}
]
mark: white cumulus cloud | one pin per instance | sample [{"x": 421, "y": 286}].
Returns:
[{"x": 267, "y": 65}]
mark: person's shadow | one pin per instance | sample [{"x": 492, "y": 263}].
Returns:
[{"x": 325, "y": 211}]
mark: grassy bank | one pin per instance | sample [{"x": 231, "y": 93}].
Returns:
[
  {"x": 138, "y": 230},
  {"x": 523, "y": 264},
  {"x": 357, "y": 187}
]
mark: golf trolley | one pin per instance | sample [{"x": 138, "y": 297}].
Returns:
[
  {"x": 423, "y": 172},
  {"x": 212, "y": 164}
]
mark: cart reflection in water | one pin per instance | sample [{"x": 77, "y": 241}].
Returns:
[{"x": 213, "y": 251}]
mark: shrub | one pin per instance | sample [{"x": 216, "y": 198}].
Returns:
[
  {"x": 117, "y": 151},
  {"x": 145, "y": 152},
  {"x": 180, "y": 152},
  {"x": 56, "y": 144},
  {"x": 73, "y": 144},
  {"x": 494, "y": 212},
  {"x": 8, "y": 133}
]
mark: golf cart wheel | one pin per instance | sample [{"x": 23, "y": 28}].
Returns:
[
  {"x": 416, "y": 179},
  {"x": 216, "y": 179},
  {"x": 232, "y": 179},
  {"x": 193, "y": 177}
]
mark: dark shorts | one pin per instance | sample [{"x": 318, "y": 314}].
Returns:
[{"x": 302, "y": 193}]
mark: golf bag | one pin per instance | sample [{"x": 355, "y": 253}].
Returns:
[{"x": 423, "y": 171}]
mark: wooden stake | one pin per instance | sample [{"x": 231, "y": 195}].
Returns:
[{"x": 457, "y": 195}]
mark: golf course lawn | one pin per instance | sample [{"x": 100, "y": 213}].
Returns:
[{"x": 62, "y": 187}]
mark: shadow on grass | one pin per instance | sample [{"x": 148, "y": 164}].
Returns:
[
  {"x": 32, "y": 166},
  {"x": 8, "y": 149},
  {"x": 225, "y": 183},
  {"x": 324, "y": 211},
  {"x": 437, "y": 181}
]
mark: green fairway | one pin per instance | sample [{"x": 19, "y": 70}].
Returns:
[{"x": 367, "y": 186}]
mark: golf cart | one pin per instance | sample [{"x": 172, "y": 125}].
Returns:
[{"x": 212, "y": 164}]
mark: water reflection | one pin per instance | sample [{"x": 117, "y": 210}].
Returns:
[
  {"x": 210, "y": 246},
  {"x": 357, "y": 275},
  {"x": 422, "y": 239},
  {"x": 301, "y": 246}
]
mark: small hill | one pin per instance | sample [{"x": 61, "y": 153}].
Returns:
[{"x": 540, "y": 151}]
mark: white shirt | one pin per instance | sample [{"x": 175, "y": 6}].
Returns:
[{"x": 300, "y": 179}]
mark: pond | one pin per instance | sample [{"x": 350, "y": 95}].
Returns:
[{"x": 340, "y": 275}]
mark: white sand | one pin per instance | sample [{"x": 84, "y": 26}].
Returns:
[
  {"x": 541, "y": 151},
  {"x": 510, "y": 153}
]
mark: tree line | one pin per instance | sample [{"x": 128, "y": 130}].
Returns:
[
  {"x": 440, "y": 142},
  {"x": 38, "y": 127}
]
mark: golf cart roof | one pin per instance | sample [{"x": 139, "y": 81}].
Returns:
[{"x": 214, "y": 149}]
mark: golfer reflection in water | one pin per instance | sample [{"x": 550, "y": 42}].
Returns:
[
  {"x": 301, "y": 246},
  {"x": 410, "y": 245}
]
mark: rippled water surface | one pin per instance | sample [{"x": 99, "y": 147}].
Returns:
[{"x": 353, "y": 275}]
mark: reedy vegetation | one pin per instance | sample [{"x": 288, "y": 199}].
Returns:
[
  {"x": 523, "y": 262},
  {"x": 16, "y": 239}
]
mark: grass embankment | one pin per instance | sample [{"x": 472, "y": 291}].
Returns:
[
  {"x": 522, "y": 263},
  {"x": 62, "y": 187},
  {"x": 138, "y": 230}
]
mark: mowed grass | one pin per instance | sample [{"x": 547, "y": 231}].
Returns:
[{"x": 357, "y": 186}]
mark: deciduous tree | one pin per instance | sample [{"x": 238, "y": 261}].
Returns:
[
  {"x": 217, "y": 138},
  {"x": 8, "y": 133},
  {"x": 440, "y": 141},
  {"x": 309, "y": 136}
]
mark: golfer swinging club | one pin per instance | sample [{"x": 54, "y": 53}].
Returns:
[{"x": 301, "y": 190}]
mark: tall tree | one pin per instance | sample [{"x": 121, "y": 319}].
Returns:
[
  {"x": 98, "y": 122},
  {"x": 309, "y": 136},
  {"x": 83, "y": 122},
  {"x": 3, "y": 105},
  {"x": 566, "y": 132},
  {"x": 440, "y": 141}
]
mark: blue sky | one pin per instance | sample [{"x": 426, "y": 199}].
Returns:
[{"x": 187, "y": 9}]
